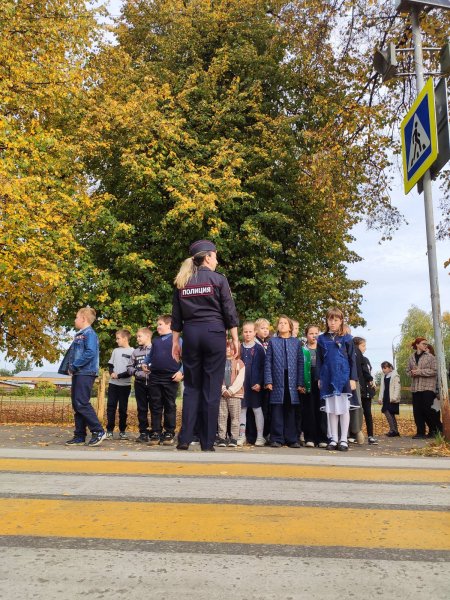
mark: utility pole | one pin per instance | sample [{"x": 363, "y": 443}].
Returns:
[
  {"x": 419, "y": 169},
  {"x": 431, "y": 238}
]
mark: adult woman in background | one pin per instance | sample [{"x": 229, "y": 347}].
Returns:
[{"x": 422, "y": 368}]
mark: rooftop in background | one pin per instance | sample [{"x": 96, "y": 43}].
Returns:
[{"x": 39, "y": 374}]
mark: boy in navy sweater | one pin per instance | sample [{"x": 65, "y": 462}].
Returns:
[{"x": 165, "y": 375}]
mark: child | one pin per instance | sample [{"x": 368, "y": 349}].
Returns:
[
  {"x": 366, "y": 385},
  {"x": 262, "y": 328},
  {"x": 230, "y": 402},
  {"x": 119, "y": 385},
  {"x": 141, "y": 381},
  {"x": 165, "y": 375},
  {"x": 337, "y": 377},
  {"x": 283, "y": 375},
  {"x": 314, "y": 420},
  {"x": 389, "y": 397},
  {"x": 81, "y": 361},
  {"x": 253, "y": 358},
  {"x": 295, "y": 328}
]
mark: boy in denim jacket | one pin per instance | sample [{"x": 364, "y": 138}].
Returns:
[{"x": 81, "y": 361}]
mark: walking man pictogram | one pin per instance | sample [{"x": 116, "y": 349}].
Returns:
[{"x": 418, "y": 147}]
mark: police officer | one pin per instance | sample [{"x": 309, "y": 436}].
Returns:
[{"x": 203, "y": 309}]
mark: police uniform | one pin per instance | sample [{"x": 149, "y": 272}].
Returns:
[{"x": 203, "y": 310}]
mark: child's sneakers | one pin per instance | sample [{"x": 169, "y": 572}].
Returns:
[
  {"x": 97, "y": 438},
  {"x": 75, "y": 441},
  {"x": 221, "y": 443},
  {"x": 168, "y": 439},
  {"x": 123, "y": 435},
  {"x": 154, "y": 439},
  {"x": 142, "y": 438},
  {"x": 372, "y": 440},
  {"x": 241, "y": 440},
  {"x": 260, "y": 441},
  {"x": 309, "y": 445},
  {"x": 109, "y": 435},
  {"x": 232, "y": 443}
]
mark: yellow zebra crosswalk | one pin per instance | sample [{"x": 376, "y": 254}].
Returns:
[
  {"x": 226, "y": 523},
  {"x": 210, "y": 520},
  {"x": 218, "y": 469},
  {"x": 194, "y": 526}
]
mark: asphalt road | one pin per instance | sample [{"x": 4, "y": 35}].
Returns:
[{"x": 121, "y": 523}]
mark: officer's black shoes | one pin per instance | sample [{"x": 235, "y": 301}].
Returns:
[
  {"x": 181, "y": 446},
  {"x": 294, "y": 445},
  {"x": 212, "y": 449},
  {"x": 275, "y": 445}
]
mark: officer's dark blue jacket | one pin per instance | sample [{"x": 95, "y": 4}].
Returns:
[
  {"x": 82, "y": 357},
  {"x": 206, "y": 298}
]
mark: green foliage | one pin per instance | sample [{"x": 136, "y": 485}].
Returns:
[
  {"x": 23, "y": 391},
  {"x": 264, "y": 130},
  {"x": 37, "y": 392},
  {"x": 22, "y": 364},
  {"x": 46, "y": 388},
  {"x": 419, "y": 323},
  {"x": 43, "y": 188},
  {"x": 220, "y": 120}
]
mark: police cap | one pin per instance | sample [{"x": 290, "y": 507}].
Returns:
[{"x": 201, "y": 246}]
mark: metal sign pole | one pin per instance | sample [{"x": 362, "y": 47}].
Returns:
[{"x": 431, "y": 244}]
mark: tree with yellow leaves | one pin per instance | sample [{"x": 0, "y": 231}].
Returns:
[
  {"x": 43, "y": 184},
  {"x": 225, "y": 120}
]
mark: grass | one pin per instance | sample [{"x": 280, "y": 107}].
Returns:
[{"x": 436, "y": 447}]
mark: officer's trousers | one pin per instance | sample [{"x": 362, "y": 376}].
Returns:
[{"x": 204, "y": 355}]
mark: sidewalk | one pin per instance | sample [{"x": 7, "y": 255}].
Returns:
[{"x": 53, "y": 438}]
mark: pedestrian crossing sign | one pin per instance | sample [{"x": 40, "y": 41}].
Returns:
[{"x": 419, "y": 137}]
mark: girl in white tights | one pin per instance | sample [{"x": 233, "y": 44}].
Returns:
[{"x": 336, "y": 365}]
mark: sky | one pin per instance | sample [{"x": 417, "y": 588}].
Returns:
[{"x": 396, "y": 271}]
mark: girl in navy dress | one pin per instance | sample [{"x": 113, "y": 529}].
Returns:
[
  {"x": 252, "y": 355},
  {"x": 337, "y": 377},
  {"x": 262, "y": 328},
  {"x": 284, "y": 377}
]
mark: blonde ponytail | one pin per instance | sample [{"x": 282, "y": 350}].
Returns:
[
  {"x": 186, "y": 271},
  {"x": 189, "y": 268}
]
